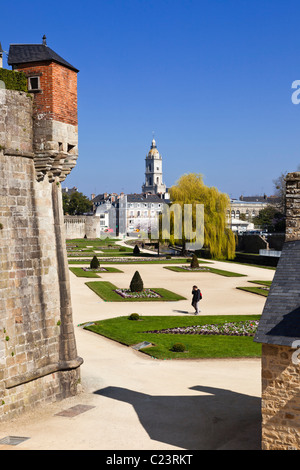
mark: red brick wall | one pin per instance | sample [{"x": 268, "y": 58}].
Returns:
[{"x": 58, "y": 97}]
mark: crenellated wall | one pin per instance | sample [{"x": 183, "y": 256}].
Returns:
[{"x": 38, "y": 354}]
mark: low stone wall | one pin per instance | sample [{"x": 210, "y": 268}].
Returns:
[
  {"x": 280, "y": 398},
  {"x": 82, "y": 227}
]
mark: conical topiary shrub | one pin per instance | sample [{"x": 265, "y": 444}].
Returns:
[
  {"x": 136, "y": 284},
  {"x": 194, "y": 262},
  {"x": 136, "y": 250},
  {"x": 94, "y": 263}
]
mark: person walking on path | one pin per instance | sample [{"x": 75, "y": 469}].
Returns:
[{"x": 197, "y": 296}]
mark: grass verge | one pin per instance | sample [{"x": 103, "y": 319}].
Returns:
[{"x": 130, "y": 332}]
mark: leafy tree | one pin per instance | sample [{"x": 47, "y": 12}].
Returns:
[
  {"x": 76, "y": 203},
  {"x": 218, "y": 238},
  {"x": 271, "y": 219}
]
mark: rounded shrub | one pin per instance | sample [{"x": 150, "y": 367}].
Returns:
[
  {"x": 178, "y": 347},
  {"x": 136, "y": 284},
  {"x": 134, "y": 316}
]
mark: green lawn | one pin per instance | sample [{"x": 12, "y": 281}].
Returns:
[
  {"x": 129, "y": 332},
  {"x": 207, "y": 269},
  {"x": 134, "y": 261},
  {"x": 256, "y": 289},
  {"x": 79, "y": 272},
  {"x": 105, "y": 290}
]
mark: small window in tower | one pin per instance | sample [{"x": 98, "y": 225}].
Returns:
[
  {"x": 60, "y": 146},
  {"x": 70, "y": 148},
  {"x": 33, "y": 83}
]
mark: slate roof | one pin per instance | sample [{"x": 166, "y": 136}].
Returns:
[
  {"x": 144, "y": 198},
  {"x": 269, "y": 200},
  {"x": 26, "y": 53},
  {"x": 280, "y": 320}
]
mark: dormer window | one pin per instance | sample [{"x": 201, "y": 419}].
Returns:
[{"x": 34, "y": 83}]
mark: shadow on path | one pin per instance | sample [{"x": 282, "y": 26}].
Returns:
[{"x": 216, "y": 419}]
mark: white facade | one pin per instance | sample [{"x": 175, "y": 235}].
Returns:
[{"x": 142, "y": 213}]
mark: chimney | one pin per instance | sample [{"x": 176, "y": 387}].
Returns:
[{"x": 292, "y": 207}]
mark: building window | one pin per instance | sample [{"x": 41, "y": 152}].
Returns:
[{"x": 33, "y": 83}]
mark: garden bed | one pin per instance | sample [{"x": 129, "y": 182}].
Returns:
[
  {"x": 197, "y": 346},
  {"x": 241, "y": 328},
  {"x": 108, "y": 292},
  {"x": 88, "y": 272},
  {"x": 188, "y": 269},
  {"x": 144, "y": 294}
]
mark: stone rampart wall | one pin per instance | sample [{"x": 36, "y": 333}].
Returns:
[
  {"x": 280, "y": 398},
  {"x": 38, "y": 356}
]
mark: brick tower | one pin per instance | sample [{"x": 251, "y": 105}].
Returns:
[{"x": 53, "y": 83}]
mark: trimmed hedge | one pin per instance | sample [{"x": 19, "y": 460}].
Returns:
[{"x": 14, "y": 80}]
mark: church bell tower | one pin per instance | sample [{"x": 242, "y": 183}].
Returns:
[{"x": 153, "y": 172}]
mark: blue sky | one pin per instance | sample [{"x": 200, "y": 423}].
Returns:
[{"x": 211, "y": 78}]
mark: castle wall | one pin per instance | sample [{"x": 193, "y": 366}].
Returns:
[
  {"x": 280, "y": 398},
  {"x": 81, "y": 227},
  {"x": 280, "y": 361},
  {"x": 38, "y": 356}
]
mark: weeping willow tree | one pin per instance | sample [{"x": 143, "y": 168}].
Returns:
[{"x": 218, "y": 238}]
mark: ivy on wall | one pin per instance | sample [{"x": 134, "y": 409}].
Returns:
[{"x": 14, "y": 80}]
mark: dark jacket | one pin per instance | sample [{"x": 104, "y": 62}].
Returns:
[{"x": 196, "y": 295}]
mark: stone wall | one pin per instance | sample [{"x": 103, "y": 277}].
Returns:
[
  {"x": 279, "y": 333},
  {"x": 293, "y": 206},
  {"x": 38, "y": 356},
  {"x": 280, "y": 398},
  {"x": 82, "y": 227}
]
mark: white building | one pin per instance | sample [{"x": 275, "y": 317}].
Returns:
[{"x": 140, "y": 213}]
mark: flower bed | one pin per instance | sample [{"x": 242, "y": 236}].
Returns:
[
  {"x": 188, "y": 268},
  {"x": 98, "y": 270},
  {"x": 242, "y": 328},
  {"x": 144, "y": 294}
]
